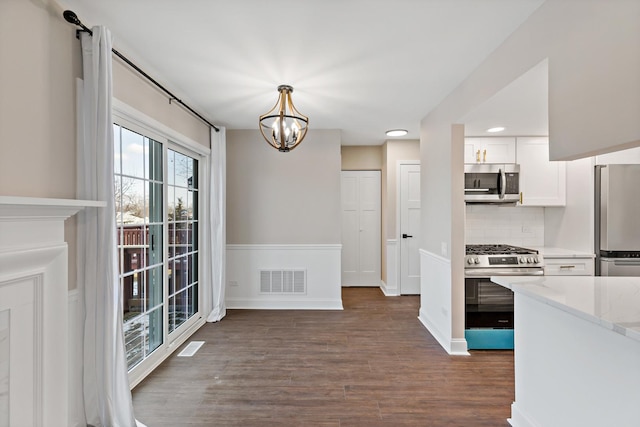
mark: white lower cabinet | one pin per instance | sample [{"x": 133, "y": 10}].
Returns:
[
  {"x": 542, "y": 182},
  {"x": 568, "y": 266}
]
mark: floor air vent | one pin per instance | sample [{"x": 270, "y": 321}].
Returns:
[
  {"x": 191, "y": 349},
  {"x": 283, "y": 281}
]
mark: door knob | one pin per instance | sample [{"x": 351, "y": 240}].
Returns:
[{"x": 404, "y": 235}]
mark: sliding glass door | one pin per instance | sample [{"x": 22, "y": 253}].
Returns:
[{"x": 156, "y": 192}]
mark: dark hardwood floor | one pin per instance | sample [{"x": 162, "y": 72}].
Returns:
[{"x": 372, "y": 364}]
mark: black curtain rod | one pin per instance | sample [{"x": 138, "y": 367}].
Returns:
[{"x": 72, "y": 18}]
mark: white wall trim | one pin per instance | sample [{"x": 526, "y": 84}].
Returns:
[
  {"x": 137, "y": 117},
  {"x": 75, "y": 359},
  {"x": 437, "y": 257},
  {"x": 390, "y": 288},
  {"x": 435, "y": 302},
  {"x": 285, "y": 247},
  {"x": 518, "y": 418},
  {"x": 282, "y": 304},
  {"x": 322, "y": 263}
]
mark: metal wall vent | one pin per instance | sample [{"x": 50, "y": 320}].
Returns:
[
  {"x": 283, "y": 281},
  {"x": 191, "y": 349}
]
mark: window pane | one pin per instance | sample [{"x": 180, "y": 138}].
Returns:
[
  {"x": 171, "y": 170},
  {"x": 193, "y": 300},
  {"x": 132, "y": 154},
  {"x": 181, "y": 273},
  {"x": 194, "y": 175},
  {"x": 180, "y": 313},
  {"x": 182, "y": 164},
  {"x": 154, "y": 160},
  {"x": 182, "y": 200},
  {"x": 155, "y": 248},
  {"x": 155, "y": 203},
  {"x": 172, "y": 313},
  {"x": 153, "y": 287},
  {"x": 172, "y": 281},
  {"x": 134, "y": 331},
  {"x": 116, "y": 149},
  {"x": 155, "y": 335}
]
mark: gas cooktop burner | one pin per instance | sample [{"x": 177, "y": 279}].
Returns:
[{"x": 497, "y": 250}]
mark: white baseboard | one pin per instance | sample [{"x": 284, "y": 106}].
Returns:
[
  {"x": 454, "y": 346},
  {"x": 387, "y": 291},
  {"x": 518, "y": 418},
  {"x": 293, "y": 304},
  {"x": 322, "y": 263}
]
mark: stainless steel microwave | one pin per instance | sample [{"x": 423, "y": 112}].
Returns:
[{"x": 492, "y": 183}]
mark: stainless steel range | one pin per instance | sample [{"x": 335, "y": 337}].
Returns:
[
  {"x": 489, "y": 307},
  {"x": 493, "y": 260}
]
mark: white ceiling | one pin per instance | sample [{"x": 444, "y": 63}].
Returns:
[{"x": 362, "y": 66}]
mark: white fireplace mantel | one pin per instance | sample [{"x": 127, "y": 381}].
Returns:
[{"x": 33, "y": 309}]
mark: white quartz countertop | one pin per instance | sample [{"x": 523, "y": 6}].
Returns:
[
  {"x": 611, "y": 302},
  {"x": 552, "y": 252}
]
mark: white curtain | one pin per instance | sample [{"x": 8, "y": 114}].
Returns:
[
  {"x": 217, "y": 225},
  {"x": 107, "y": 398}
]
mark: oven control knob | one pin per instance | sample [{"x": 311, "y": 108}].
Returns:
[
  {"x": 476, "y": 260},
  {"x": 470, "y": 260},
  {"x": 536, "y": 260},
  {"x": 529, "y": 260},
  {"x": 523, "y": 260}
]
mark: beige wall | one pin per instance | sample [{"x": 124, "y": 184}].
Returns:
[
  {"x": 138, "y": 93},
  {"x": 39, "y": 62},
  {"x": 395, "y": 151},
  {"x": 283, "y": 198},
  {"x": 361, "y": 157},
  {"x": 39, "y": 66}
]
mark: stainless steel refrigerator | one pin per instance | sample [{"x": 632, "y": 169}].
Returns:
[{"x": 617, "y": 220}]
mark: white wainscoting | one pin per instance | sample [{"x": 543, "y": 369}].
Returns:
[
  {"x": 435, "y": 302},
  {"x": 321, "y": 262},
  {"x": 391, "y": 288}
]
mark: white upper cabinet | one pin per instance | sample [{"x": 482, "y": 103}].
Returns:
[
  {"x": 542, "y": 182},
  {"x": 490, "y": 150}
]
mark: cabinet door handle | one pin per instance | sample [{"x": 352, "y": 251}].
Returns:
[
  {"x": 405, "y": 236},
  {"x": 478, "y": 156},
  {"x": 484, "y": 156},
  {"x": 567, "y": 267},
  {"x": 521, "y": 197}
]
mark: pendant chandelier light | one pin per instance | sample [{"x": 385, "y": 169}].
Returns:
[{"x": 283, "y": 126}]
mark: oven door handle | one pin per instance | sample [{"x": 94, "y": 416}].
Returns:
[{"x": 496, "y": 272}]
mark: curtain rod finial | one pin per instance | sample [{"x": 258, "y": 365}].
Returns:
[{"x": 71, "y": 17}]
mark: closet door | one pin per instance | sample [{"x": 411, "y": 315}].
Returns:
[{"x": 360, "y": 228}]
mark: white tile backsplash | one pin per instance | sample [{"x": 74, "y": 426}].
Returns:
[{"x": 511, "y": 225}]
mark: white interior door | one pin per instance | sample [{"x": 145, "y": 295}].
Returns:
[
  {"x": 409, "y": 229},
  {"x": 360, "y": 228}
]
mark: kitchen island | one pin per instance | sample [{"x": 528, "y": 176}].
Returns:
[{"x": 577, "y": 351}]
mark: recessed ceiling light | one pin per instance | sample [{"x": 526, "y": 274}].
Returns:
[
  {"x": 496, "y": 129},
  {"x": 397, "y": 132}
]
